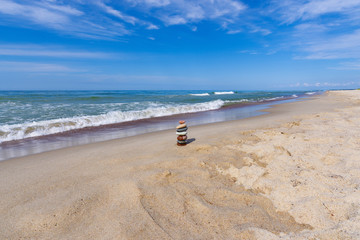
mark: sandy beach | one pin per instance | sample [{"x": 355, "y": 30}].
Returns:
[{"x": 291, "y": 174}]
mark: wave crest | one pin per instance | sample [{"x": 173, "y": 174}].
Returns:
[
  {"x": 221, "y": 93},
  {"x": 199, "y": 94},
  {"x": 46, "y": 127}
]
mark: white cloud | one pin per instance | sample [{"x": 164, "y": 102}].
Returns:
[
  {"x": 174, "y": 20},
  {"x": 33, "y": 13},
  {"x": 293, "y": 10},
  {"x": 59, "y": 17},
  {"x": 326, "y": 84},
  {"x": 118, "y": 14},
  {"x": 234, "y": 31},
  {"x": 126, "y": 18},
  {"x": 325, "y": 46},
  {"x": 185, "y": 11},
  {"x": 151, "y": 3},
  {"x": 152, "y": 27},
  {"x": 319, "y": 29},
  {"x": 65, "y": 9},
  {"x": 49, "y": 51},
  {"x": 342, "y": 42},
  {"x": 251, "y": 52},
  {"x": 8, "y": 66},
  {"x": 348, "y": 66},
  {"x": 310, "y": 28},
  {"x": 263, "y": 31},
  {"x": 105, "y": 19},
  {"x": 315, "y": 8}
]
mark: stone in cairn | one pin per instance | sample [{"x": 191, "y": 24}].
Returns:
[{"x": 181, "y": 132}]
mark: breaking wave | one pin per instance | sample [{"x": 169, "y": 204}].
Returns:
[
  {"x": 200, "y": 94},
  {"x": 46, "y": 127},
  {"x": 237, "y": 101},
  {"x": 221, "y": 93}
]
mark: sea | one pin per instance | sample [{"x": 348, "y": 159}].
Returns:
[{"x": 38, "y": 121}]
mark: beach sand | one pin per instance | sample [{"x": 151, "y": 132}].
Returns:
[{"x": 290, "y": 174}]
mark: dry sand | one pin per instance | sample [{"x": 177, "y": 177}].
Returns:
[{"x": 290, "y": 174}]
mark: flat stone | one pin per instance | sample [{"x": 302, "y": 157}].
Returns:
[
  {"x": 181, "y": 129},
  {"x": 181, "y": 126},
  {"x": 181, "y": 133},
  {"x": 182, "y": 137}
]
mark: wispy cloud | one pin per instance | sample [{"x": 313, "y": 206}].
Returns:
[
  {"x": 325, "y": 84},
  {"x": 145, "y": 81},
  {"x": 152, "y": 26},
  {"x": 186, "y": 11},
  {"x": 105, "y": 19},
  {"x": 117, "y": 13},
  {"x": 64, "y": 18},
  {"x": 251, "y": 52},
  {"x": 49, "y": 51},
  {"x": 343, "y": 46},
  {"x": 234, "y": 31},
  {"x": 292, "y": 10},
  {"x": 318, "y": 42},
  {"x": 52, "y": 16},
  {"x": 62, "y": 8},
  {"x": 319, "y": 29},
  {"x": 348, "y": 66},
  {"x": 32, "y": 67},
  {"x": 311, "y": 29}
]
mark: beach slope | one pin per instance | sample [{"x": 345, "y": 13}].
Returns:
[{"x": 291, "y": 174}]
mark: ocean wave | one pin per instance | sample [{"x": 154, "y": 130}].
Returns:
[
  {"x": 46, "y": 127},
  {"x": 237, "y": 101},
  {"x": 199, "y": 94},
  {"x": 221, "y": 93},
  {"x": 294, "y": 96},
  {"x": 310, "y": 93},
  {"x": 8, "y": 103},
  {"x": 270, "y": 99}
]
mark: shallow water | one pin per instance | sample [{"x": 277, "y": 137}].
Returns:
[
  {"x": 26, "y": 114},
  {"x": 76, "y": 137}
]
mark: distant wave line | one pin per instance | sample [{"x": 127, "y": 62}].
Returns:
[
  {"x": 200, "y": 94},
  {"x": 221, "y": 93}
]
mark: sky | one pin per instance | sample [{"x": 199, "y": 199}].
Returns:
[{"x": 179, "y": 44}]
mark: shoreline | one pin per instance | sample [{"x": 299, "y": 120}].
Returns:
[
  {"x": 265, "y": 177},
  {"x": 82, "y": 136},
  {"x": 52, "y": 123}
]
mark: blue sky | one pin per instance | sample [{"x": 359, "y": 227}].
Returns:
[{"x": 179, "y": 44}]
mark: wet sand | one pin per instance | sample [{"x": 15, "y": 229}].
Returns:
[
  {"x": 290, "y": 174},
  {"x": 33, "y": 145}
]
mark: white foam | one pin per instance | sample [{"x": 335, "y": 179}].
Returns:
[
  {"x": 200, "y": 94},
  {"x": 221, "y": 93},
  {"x": 272, "y": 99},
  {"x": 237, "y": 101},
  {"x": 294, "y": 95},
  {"x": 310, "y": 93},
  {"x": 46, "y": 127}
]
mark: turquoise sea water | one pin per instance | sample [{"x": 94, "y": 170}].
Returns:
[{"x": 25, "y": 114}]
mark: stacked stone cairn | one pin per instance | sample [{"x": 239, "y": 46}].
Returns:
[{"x": 181, "y": 132}]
